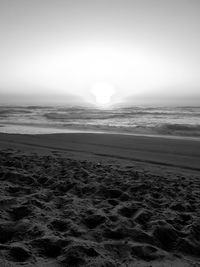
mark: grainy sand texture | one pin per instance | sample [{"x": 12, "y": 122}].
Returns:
[{"x": 99, "y": 200}]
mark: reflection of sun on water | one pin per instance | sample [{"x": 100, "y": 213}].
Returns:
[{"x": 103, "y": 93}]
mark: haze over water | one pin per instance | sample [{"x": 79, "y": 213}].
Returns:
[{"x": 60, "y": 51}]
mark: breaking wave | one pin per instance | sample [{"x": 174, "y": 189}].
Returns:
[{"x": 179, "y": 129}]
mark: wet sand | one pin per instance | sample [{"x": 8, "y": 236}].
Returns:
[{"x": 99, "y": 200}]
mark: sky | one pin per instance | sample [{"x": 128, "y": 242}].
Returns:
[{"x": 146, "y": 51}]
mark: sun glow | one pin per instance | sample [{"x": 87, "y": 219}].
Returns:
[
  {"x": 75, "y": 69},
  {"x": 103, "y": 93}
]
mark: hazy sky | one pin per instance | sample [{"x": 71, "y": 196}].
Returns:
[{"x": 147, "y": 50}]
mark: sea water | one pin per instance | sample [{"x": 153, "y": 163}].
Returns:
[{"x": 164, "y": 121}]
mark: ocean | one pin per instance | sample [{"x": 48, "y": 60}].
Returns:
[{"x": 181, "y": 122}]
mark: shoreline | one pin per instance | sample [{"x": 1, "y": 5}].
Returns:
[
  {"x": 179, "y": 153},
  {"x": 41, "y": 130}
]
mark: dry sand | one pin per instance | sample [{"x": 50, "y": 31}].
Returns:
[{"x": 99, "y": 200}]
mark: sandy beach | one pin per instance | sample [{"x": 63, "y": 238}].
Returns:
[{"x": 99, "y": 200}]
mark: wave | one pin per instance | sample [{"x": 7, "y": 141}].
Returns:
[
  {"x": 12, "y": 111},
  {"x": 182, "y": 121},
  {"x": 76, "y": 112},
  {"x": 81, "y": 115},
  {"x": 179, "y": 129}
]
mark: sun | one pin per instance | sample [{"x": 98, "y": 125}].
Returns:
[{"x": 103, "y": 93}]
